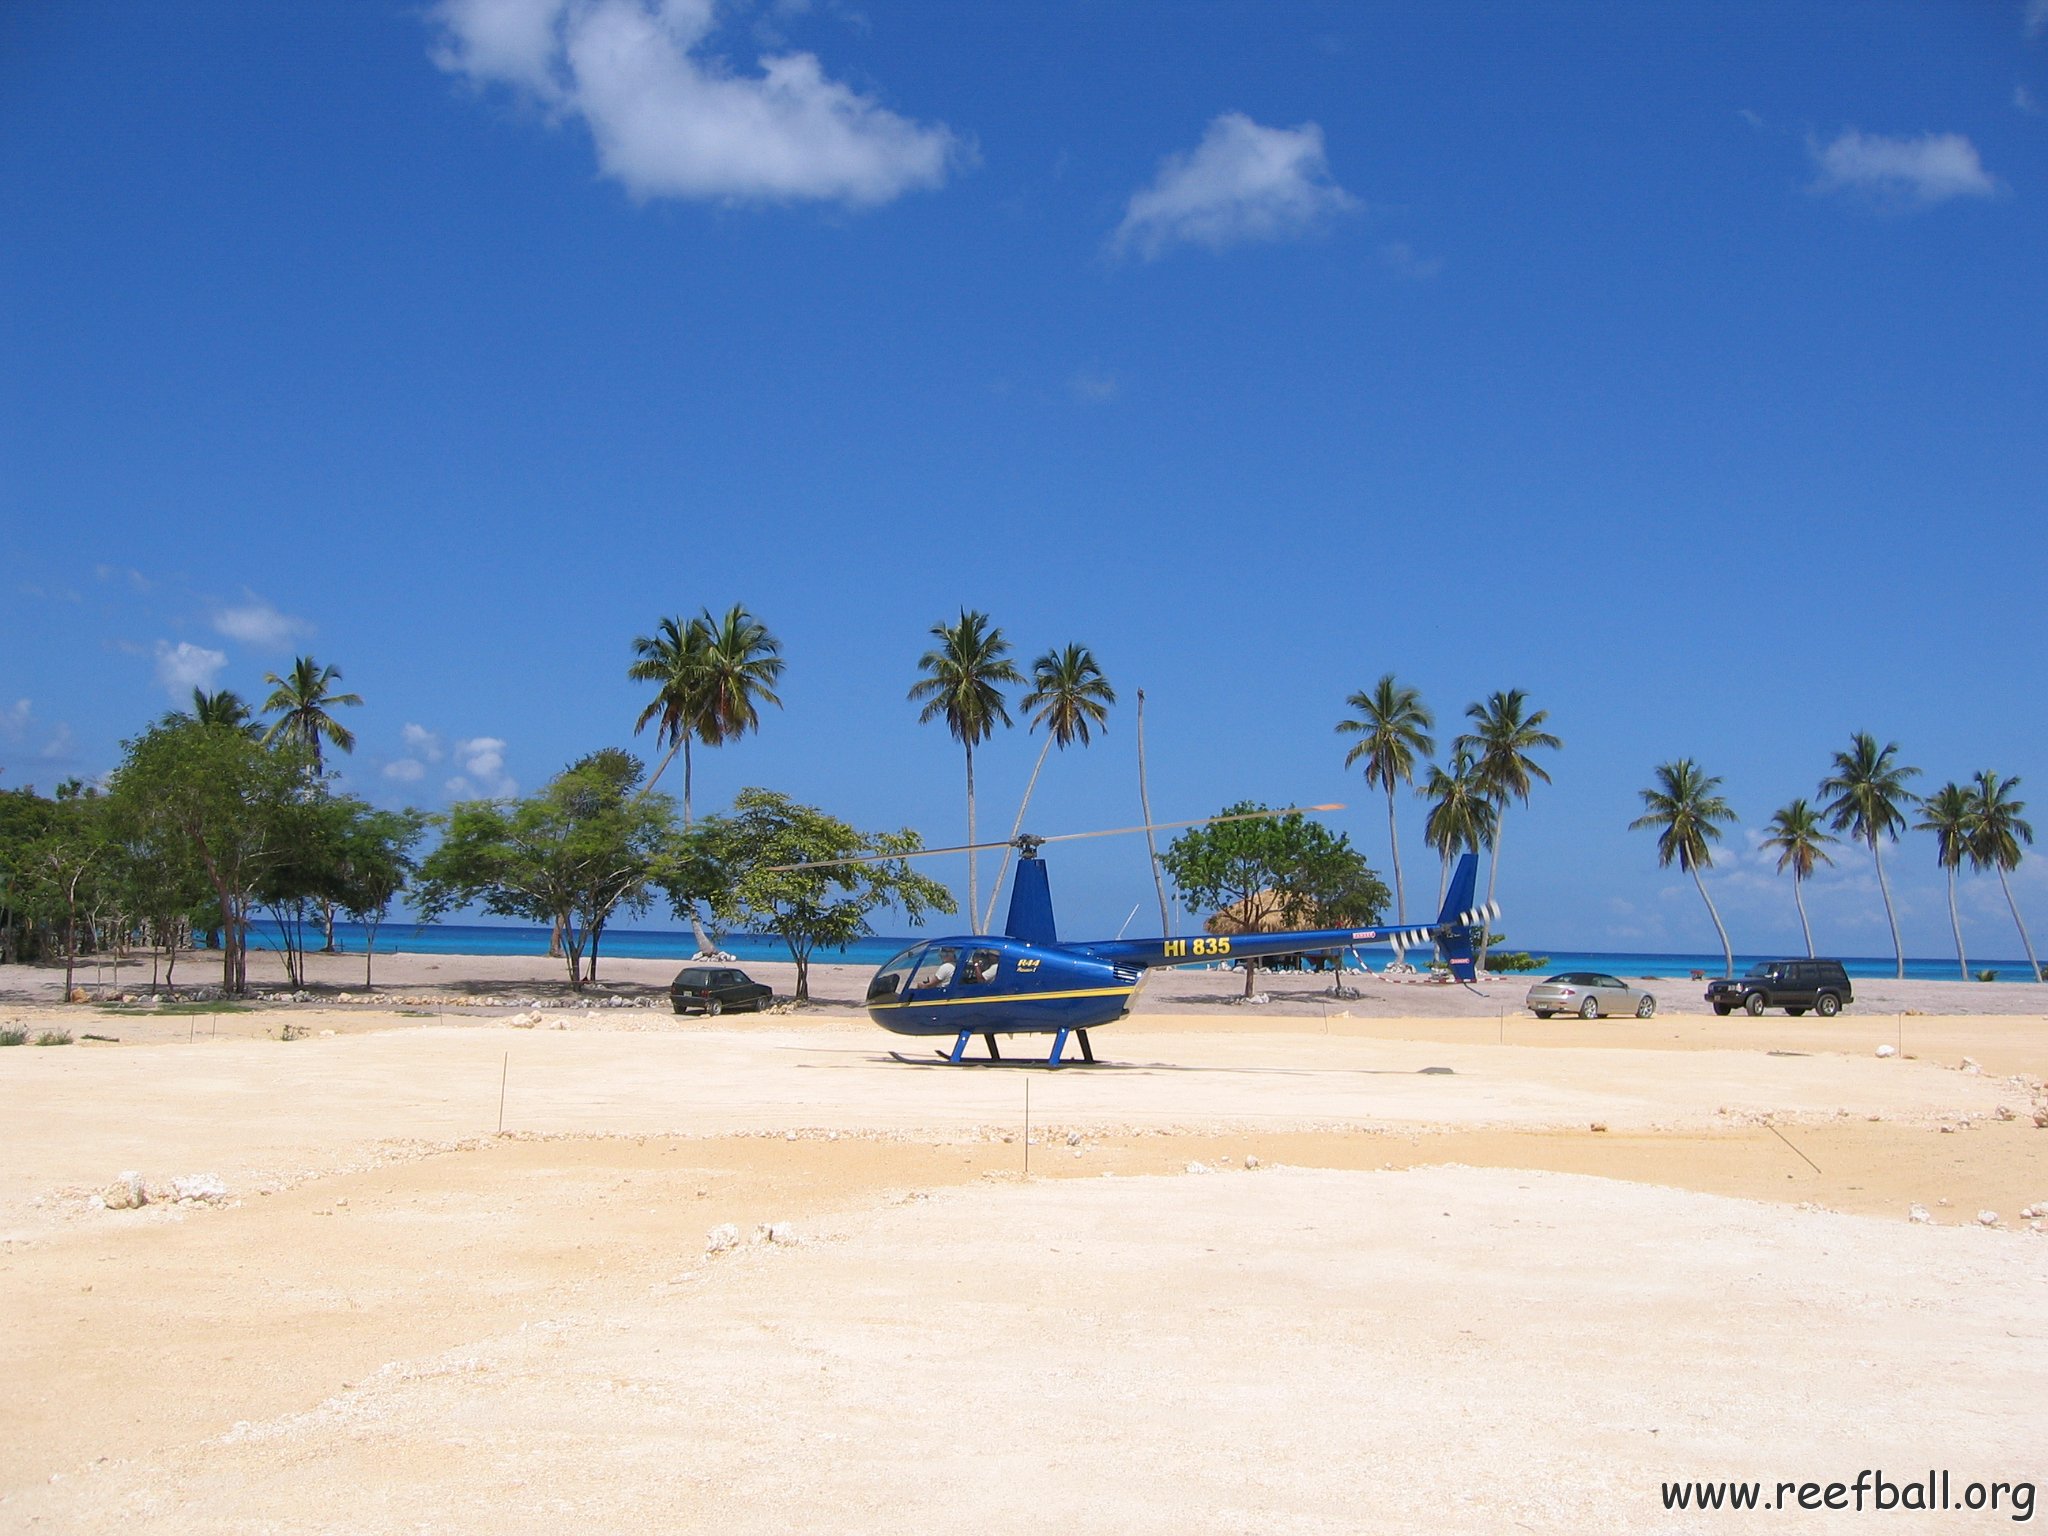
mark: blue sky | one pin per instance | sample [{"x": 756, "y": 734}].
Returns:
[{"x": 1685, "y": 367}]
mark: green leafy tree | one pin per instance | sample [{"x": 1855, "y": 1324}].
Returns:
[
  {"x": 1392, "y": 726},
  {"x": 1949, "y": 814},
  {"x": 1461, "y": 817},
  {"x": 1257, "y": 871},
  {"x": 215, "y": 796},
  {"x": 963, "y": 682},
  {"x": 303, "y": 878},
  {"x": 65, "y": 868},
  {"x": 1070, "y": 697},
  {"x": 1687, "y": 816},
  {"x": 304, "y": 704},
  {"x": 571, "y": 855},
  {"x": 1796, "y": 835},
  {"x": 1504, "y": 734},
  {"x": 1864, "y": 795},
  {"x": 1996, "y": 835},
  {"x": 740, "y": 863},
  {"x": 24, "y": 817},
  {"x": 163, "y": 888},
  {"x": 376, "y": 863}
]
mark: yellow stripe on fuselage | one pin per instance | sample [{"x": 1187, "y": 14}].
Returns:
[{"x": 1006, "y": 997}]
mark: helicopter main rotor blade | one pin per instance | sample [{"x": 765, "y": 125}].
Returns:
[
  {"x": 1168, "y": 826},
  {"x": 1028, "y": 839}
]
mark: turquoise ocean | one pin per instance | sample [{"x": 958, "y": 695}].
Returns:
[{"x": 401, "y": 937}]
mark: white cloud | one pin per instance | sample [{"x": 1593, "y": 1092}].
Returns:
[
  {"x": 1241, "y": 183},
  {"x": 260, "y": 624},
  {"x": 1398, "y": 256},
  {"x": 483, "y": 776},
  {"x": 1097, "y": 386},
  {"x": 2037, "y": 18},
  {"x": 14, "y": 720},
  {"x": 1929, "y": 169},
  {"x": 60, "y": 743},
  {"x": 405, "y": 771},
  {"x": 185, "y": 666},
  {"x": 136, "y": 580},
  {"x": 671, "y": 119},
  {"x": 1750, "y": 116},
  {"x": 421, "y": 742}
]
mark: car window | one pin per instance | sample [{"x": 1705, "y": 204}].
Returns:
[
  {"x": 693, "y": 979},
  {"x": 1607, "y": 981},
  {"x": 1557, "y": 981}
]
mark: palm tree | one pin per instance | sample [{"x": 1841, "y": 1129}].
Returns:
[
  {"x": 1947, "y": 813},
  {"x": 1461, "y": 818},
  {"x": 222, "y": 708},
  {"x": 1797, "y": 837},
  {"x": 1394, "y": 725},
  {"x": 1688, "y": 816},
  {"x": 963, "y": 682},
  {"x": 712, "y": 676},
  {"x": 303, "y": 701},
  {"x": 1070, "y": 697},
  {"x": 1500, "y": 742},
  {"x": 1868, "y": 786},
  {"x": 1996, "y": 833}
]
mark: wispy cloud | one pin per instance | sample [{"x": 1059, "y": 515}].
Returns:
[
  {"x": 60, "y": 745},
  {"x": 1096, "y": 386},
  {"x": 1399, "y": 256},
  {"x": 421, "y": 742},
  {"x": 405, "y": 770},
  {"x": 1751, "y": 116},
  {"x": 136, "y": 581},
  {"x": 185, "y": 666},
  {"x": 2024, "y": 100},
  {"x": 2036, "y": 21},
  {"x": 1242, "y": 183},
  {"x": 483, "y": 776},
  {"x": 14, "y": 720},
  {"x": 670, "y": 118},
  {"x": 260, "y": 624},
  {"x": 1932, "y": 168}
]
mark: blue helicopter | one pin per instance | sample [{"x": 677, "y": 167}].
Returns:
[{"x": 1025, "y": 981}]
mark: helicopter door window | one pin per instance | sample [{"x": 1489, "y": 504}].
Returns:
[
  {"x": 981, "y": 967},
  {"x": 937, "y": 968}
]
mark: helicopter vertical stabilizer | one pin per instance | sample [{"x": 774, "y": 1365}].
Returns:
[
  {"x": 1030, "y": 916},
  {"x": 1461, "y": 926}
]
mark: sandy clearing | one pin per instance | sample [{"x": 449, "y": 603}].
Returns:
[{"x": 1453, "y": 1349}]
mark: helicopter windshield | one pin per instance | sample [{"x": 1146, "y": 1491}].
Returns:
[{"x": 888, "y": 981}]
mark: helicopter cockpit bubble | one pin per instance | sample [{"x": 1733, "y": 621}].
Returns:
[
  {"x": 936, "y": 968},
  {"x": 889, "y": 980}
]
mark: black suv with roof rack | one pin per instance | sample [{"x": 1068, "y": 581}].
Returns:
[{"x": 1793, "y": 985}]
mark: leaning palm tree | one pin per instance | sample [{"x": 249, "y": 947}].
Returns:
[
  {"x": 1461, "y": 819},
  {"x": 672, "y": 659},
  {"x": 1996, "y": 833},
  {"x": 1070, "y": 697},
  {"x": 1688, "y": 815},
  {"x": 1500, "y": 741},
  {"x": 964, "y": 677},
  {"x": 1947, "y": 813},
  {"x": 1868, "y": 786},
  {"x": 1797, "y": 837},
  {"x": 302, "y": 702},
  {"x": 1393, "y": 725}
]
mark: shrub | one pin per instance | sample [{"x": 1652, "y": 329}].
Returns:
[
  {"x": 13, "y": 1037},
  {"x": 54, "y": 1037}
]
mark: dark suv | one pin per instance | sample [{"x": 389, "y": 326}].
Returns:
[{"x": 1793, "y": 985}]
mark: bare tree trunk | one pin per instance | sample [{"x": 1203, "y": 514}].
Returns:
[
  {"x": 973, "y": 868},
  {"x": 2024, "y": 940},
  {"x": 1151, "y": 843},
  {"x": 1394, "y": 843},
  {"x": 1727, "y": 953},
  {"x": 1884, "y": 889},
  {"x": 1805, "y": 927},
  {"x": 1492, "y": 868},
  {"x": 1955, "y": 924},
  {"x": 996, "y": 886}
]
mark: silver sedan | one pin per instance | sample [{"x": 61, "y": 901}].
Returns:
[{"x": 1589, "y": 994}]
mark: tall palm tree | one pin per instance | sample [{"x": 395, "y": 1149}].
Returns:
[
  {"x": 711, "y": 676},
  {"x": 1868, "y": 786},
  {"x": 1461, "y": 818},
  {"x": 964, "y": 677},
  {"x": 1393, "y": 725},
  {"x": 1070, "y": 697},
  {"x": 1688, "y": 816},
  {"x": 1503, "y": 735},
  {"x": 1996, "y": 833},
  {"x": 1948, "y": 814},
  {"x": 222, "y": 708},
  {"x": 302, "y": 702},
  {"x": 1799, "y": 839}
]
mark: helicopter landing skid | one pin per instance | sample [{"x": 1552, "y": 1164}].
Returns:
[{"x": 958, "y": 1057}]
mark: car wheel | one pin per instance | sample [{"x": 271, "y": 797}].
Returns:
[
  {"x": 713, "y": 1007},
  {"x": 1754, "y": 1004},
  {"x": 1722, "y": 1009},
  {"x": 677, "y": 1004},
  {"x": 1827, "y": 1005},
  {"x": 1646, "y": 1008},
  {"x": 1541, "y": 1013},
  {"x": 1590, "y": 1008}
]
